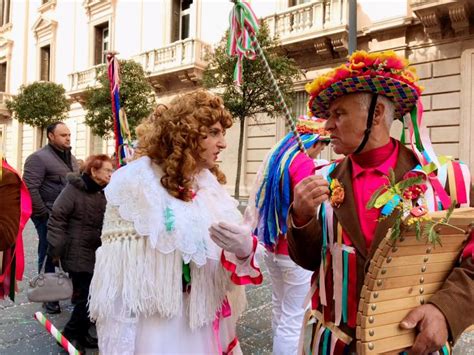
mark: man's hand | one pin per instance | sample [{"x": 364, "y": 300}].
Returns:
[
  {"x": 308, "y": 194},
  {"x": 234, "y": 238},
  {"x": 432, "y": 329}
]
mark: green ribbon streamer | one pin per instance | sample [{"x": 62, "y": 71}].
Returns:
[
  {"x": 326, "y": 341},
  {"x": 445, "y": 351},
  {"x": 344, "y": 285},
  {"x": 169, "y": 219},
  {"x": 186, "y": 273},
  {"x": 416, "y": 129},
  {"x": 402, "y": 137}
]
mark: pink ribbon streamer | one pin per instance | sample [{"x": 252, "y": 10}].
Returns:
[
  {"x": 461, "y": 197},
  {"x": 333, "y": 344},
  {"x": 318, "y": 340},
  {"x": 225, "y": 312}
]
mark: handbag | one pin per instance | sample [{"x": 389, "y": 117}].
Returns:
[{"x": 50, "y": 287}]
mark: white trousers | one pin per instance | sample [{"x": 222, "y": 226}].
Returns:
[{"x": 290, "y": 285}]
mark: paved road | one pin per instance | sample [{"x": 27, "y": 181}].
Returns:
[{"x": 21, "y": 334}]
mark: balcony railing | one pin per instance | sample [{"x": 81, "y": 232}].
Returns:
[
  {"x": 307, "y": 19},
  {"x": 426, "y": 2},
  {"x": 4, "y": 97},
  {"x": 189, "y": 53},
  {"x": 4, "y": 112},
  {"x": 82, "y": 79},
  {"x": 185, "y": 53}
]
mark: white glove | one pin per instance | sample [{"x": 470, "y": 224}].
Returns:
[{"x": 233, "y": 238}]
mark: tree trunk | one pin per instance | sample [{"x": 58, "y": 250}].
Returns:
[
  {"x": 239, "y": 158},
  {"x": 41, "y": 137}
]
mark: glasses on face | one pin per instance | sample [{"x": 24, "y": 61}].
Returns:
[{"x": 109, "y": 171}]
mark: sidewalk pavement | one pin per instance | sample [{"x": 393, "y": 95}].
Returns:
[{"x": 21, "y": 334}]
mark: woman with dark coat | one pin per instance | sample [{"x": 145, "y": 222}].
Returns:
[{"x": 74, "y": 230}]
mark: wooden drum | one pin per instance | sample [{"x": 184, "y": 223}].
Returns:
[{"x": 403, "y": 274}]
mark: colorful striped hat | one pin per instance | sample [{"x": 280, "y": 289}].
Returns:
[{"x": 383, "y": 73}]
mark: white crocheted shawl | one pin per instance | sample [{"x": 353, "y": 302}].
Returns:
[{"x": 172, "y": 224}]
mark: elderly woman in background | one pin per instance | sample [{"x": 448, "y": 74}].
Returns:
[{"x": 74, "y": 230}]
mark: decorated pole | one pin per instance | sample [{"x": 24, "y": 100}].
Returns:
[
  {"x": 243, "y": 42},
  {"x": 61, "y": 339},
  {"x": 121, "y": 128}
]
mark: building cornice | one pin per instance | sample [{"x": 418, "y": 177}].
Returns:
[
  {"x": 6, "y": 46},
  {"x": 6, "y": 28},
  {"x": 44, "y": 27},
  {"x": 440, "y": 18},
  {"x": 49, "y": 5},
  {"x": 94, "y": 7}
]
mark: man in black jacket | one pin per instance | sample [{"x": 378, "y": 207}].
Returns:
[{"x": 45, "y": 175}]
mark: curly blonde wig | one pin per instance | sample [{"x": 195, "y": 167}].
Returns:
[{"x": 172, "y": 135}]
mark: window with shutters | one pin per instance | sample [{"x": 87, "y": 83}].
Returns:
[
  {"x": 4, "y": 12},
  {"x": 181, "y": 19},
  {"x": 3, "y": 77},
  {"x": 45, "y": 63},
  {"x": 101, "y": 43}
]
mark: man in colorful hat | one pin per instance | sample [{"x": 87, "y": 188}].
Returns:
[
  {"x": 284, "y": 166},
  {"x": 332, "y": 231}
]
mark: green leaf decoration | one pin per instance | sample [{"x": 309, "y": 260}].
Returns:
[
  {"x": 391, "y": 177},
  {"x": 376, "y": 194},
  {"x": 449, "y": 212},
  {"x": 418, "y": 230},
  {"x": 382, "y": 200},
  {"x": 430, "y": 229},
  {"x": 395, "y": 232},
  {"x": 402, "y": 185}
]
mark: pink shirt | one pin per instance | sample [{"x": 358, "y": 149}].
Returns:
[
  {"x": 301, "y": 167},
  {"x": 369, "y": 172}
]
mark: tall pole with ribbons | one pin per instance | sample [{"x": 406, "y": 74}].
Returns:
[
  {"x": 243, "y": 43},
  {"x": 122, "y": 136}
]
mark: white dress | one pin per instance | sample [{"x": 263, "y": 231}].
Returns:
[{"x": 136, "y": 294}]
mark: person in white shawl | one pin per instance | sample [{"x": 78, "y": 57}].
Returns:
[{"x": 175, "y": 252}]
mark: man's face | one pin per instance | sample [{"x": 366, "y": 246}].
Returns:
[
  {"x": 60, "y": 137},
  {"x": 347, "y": 122}
]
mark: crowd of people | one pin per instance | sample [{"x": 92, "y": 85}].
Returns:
[{"x": 159, "y": 248}]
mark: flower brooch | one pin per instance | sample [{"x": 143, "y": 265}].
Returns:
[{"x": 336, "y": 197}]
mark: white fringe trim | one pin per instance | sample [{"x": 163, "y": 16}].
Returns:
[{"x": 148, "y": 282}]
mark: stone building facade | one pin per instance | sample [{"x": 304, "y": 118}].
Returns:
[{"x": 65, "y": 42}]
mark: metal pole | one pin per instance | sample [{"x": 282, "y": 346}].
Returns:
[
  {"x": 279, "y": 95},
  {"x": 352, "y": 26}
]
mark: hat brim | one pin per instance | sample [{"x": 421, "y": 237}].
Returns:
[{"x": 402, "y": 95}]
